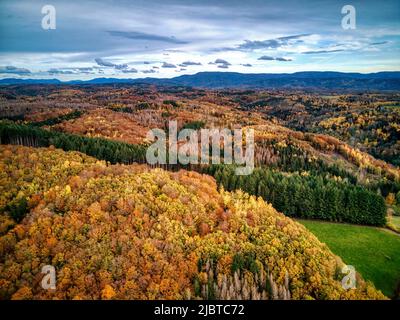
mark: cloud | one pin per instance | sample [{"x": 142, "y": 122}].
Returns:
[
  {"x": 282, "y": 59},
  {"x": 57, "y": 71},
  {"x": 269, "y": 58},
  {"x": 87, "y": 70},
  {"x": 174, "y": 50},
  {"x": 222, "y": 61},
  {"x": 168, "y": 65},
  {"x": 297, "y": 36},
  {"x": 349, "y": 45},
  {"x": 14, "y": 70},
  {"x": 133, "y": 35},
  {"x": 131, "y": 32},
  {"x": 270, "y": 43},
  {"x": 149, "y": 71},
  {"x": 266, "y": 58},
  {"x": 222, "y": 64},
  {"x": 378, "y": 43},
  {"x": 246, "y": 65},
  {"x": 322, "y": 51},
  {"x": 189, "y": 63},
  {"x": 104, "y": 63},
  {"x": 78, "y": 70},
  {"x": 131, "y": 70},
  {"x": 121, "y": 66}
]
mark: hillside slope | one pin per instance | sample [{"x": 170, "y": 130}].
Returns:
[{"x": 128, "y": 232}]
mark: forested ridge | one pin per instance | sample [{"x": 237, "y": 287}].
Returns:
[
  {"x": 295, "y": 185},
  {"x": 130, "y": 232}
]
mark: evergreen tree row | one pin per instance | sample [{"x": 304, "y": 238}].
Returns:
[
  {"x": 31, "y": 136},
  {"x": 307, "y": 196},
  {"x": 290, "y": 158},
  {"x": 48, "y": 122},
  {"x": 52, "y": 121}
]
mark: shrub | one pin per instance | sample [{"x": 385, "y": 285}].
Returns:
[
  {"x": 18, "y": 209},
  {"x": 172, "y": 103},
  {"x": 195, "y": 125}
]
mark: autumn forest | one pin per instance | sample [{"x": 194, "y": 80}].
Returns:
[{"x": 76, "y": 193}]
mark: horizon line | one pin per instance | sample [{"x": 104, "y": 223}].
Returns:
[{"x": 200, "y": 72}]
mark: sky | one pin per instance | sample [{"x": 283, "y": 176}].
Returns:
[{"x": 168, "y": 38}]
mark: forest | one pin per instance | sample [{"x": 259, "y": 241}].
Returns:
[
  {"x": 112, "y": 151},
  {"x": 76, "y": 193},
  {"x": 307, "y": 196},
  {"x": 130, "y": 232}
]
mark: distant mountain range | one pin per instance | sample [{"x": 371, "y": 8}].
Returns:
[{"x": 217, "y": 80}]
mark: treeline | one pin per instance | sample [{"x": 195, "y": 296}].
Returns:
[
  {"x": 291, "y": 158},
  {"x": 52, "y": 121},
  {"x": 18, "y": 117},
  {"x": 48, "y": 122},
  {"x": 307, "y": 196},
  {"x": 100, "y": 148},
  {"x": 31, "y": 136},
  {"x": 121, "y": 109},
  {"x": 194, "y": 125}
]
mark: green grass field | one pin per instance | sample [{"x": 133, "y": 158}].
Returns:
[{"x": 375, "y": 253}]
